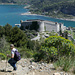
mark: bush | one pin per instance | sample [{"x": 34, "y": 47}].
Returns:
[
  {"x": 74, "y": 70},
  {"x": 62, "y": 45},
  {"x": 33, "y": 45},
  {"x": 51, "y": 53},
  {"x": 25, "y": 53},
  {"x": 2, "y": 56},
  {"x": 40, "y": 56},
  {"x": 4, "y": 46},
  {"x": 56, "y": 47}
]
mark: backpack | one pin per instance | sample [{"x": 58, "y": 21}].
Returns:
[{"x": 17, "y": 56}]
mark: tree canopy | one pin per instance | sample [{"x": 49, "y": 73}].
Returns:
[
  {"x": 18, "y": 37},
  {"x": 13, "y": 35}
]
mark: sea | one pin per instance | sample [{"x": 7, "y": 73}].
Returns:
[{"x": 11, "y": 14}]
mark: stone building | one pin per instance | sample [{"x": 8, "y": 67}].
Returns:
[{"x": 44, "y": 25}]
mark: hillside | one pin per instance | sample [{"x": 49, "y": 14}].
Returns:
[
  {"x": 14, "y": 1},
  {"x": 7, "y": 1},
  {"x": 54, "y": 8}
]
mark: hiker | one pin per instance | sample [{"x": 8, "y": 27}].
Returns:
[{"x": 13, "y": 60}]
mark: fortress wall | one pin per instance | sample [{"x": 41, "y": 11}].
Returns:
[
  {"x": 45, "y": 25},
  {"x": 62, "y": 27},
  {"x": 26, "y": 23},
  {"x": 58, "y": 27},
  {"x": 50, "y": 27},
  {"x": 41, "y": 26}
]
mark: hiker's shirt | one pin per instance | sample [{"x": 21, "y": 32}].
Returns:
[{"x": 13, "y": 50}]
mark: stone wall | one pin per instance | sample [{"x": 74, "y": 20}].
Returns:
[
  {"x": 51, "y": 26},
  {"x": 41, "y": 26},
  {"x": 25, "y": 23},
  {"x": 44, "y": 25}
]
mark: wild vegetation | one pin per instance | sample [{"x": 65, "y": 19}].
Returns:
[
  {"x": 54, "y": 49},
  {"x": 54, "y": 8},
  {"x": 19, "y": 38}
]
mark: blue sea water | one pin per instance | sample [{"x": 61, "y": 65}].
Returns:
[{"x": 12, "y": 14}]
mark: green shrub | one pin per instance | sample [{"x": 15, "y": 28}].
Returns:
[
  {"x": 40, "y": 56},
  {"x": 25, "y": 52},
  {"x": 74, "y": 70},
  {"x": 62, "y": 45},
  {"x": 55, "y": 47},
  {"x": 2, "y": 56},
  {"x": 33, "y": 45},
  {"x": 51, "y": 53},
  {"x": 29, "y": 54}
]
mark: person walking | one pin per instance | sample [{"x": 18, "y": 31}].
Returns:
[{"x": 12, "y": 60}]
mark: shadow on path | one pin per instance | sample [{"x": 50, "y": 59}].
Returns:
[{"x": 5, "y": 71}]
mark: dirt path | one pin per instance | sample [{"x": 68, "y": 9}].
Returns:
[{"x": 24, "y": 67}]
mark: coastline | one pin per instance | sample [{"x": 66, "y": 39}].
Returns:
[
  {"x": 8, "y": 4},
  {"x": 29, "y": 13}
]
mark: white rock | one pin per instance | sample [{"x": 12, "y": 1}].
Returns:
[
  {"x": 56, "y": 74},
  {"x": 61, "y": 73},
  {"x": 4, "y": 61}
]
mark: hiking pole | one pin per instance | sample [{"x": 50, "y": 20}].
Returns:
[{"x": 6, "y": 63}]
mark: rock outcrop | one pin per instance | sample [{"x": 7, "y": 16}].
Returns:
[{"x": 27, "y": 67}]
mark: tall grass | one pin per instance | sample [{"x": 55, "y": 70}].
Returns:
[{"x": 66, "y": 63}]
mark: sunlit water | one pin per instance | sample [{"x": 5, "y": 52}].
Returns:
[{"x": 12, "y": 14}]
